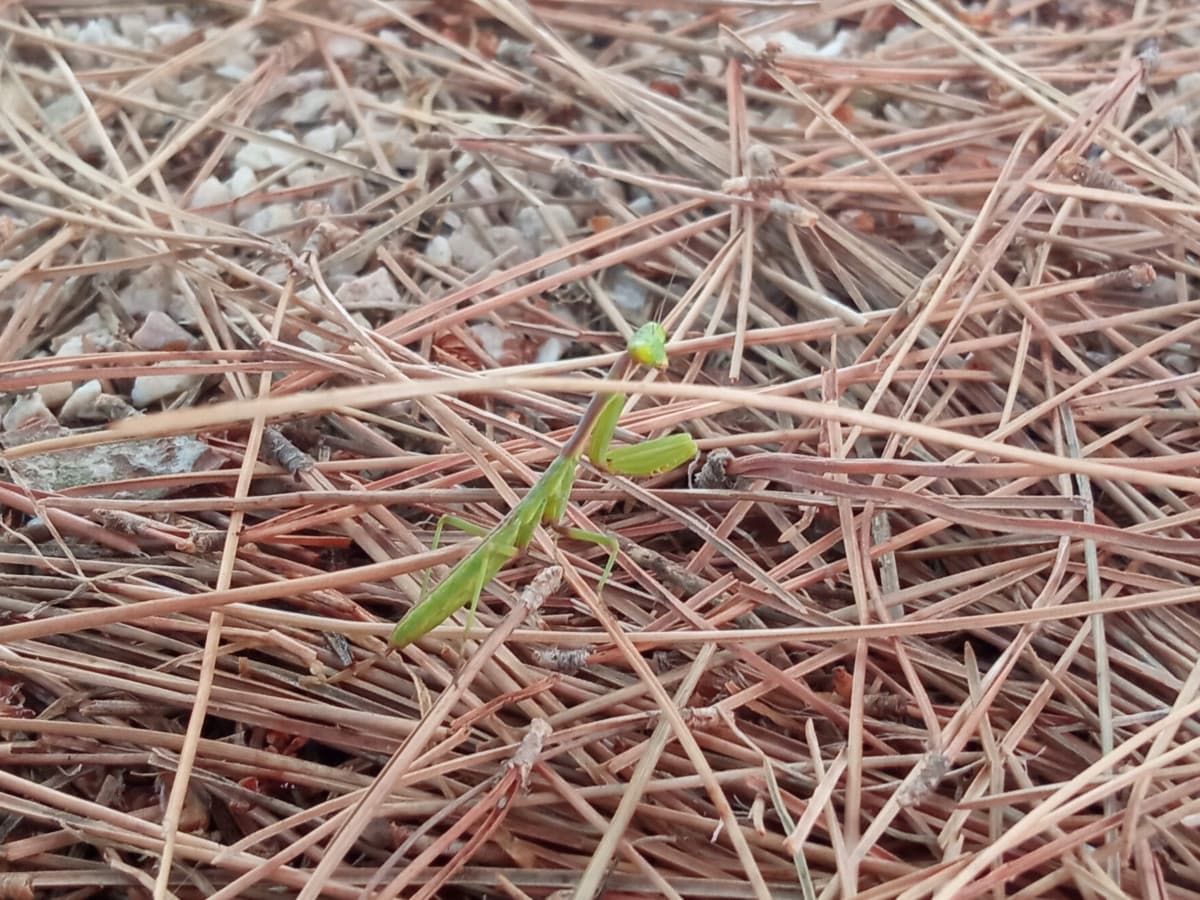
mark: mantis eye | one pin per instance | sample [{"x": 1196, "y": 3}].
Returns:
[{"x": 648, "y": 346}]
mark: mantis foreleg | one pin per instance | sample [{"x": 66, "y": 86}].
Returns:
[{"x": 649, "y": 457}]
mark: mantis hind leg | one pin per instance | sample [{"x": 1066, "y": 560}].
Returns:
[
  {"x": 463, "y": 525},
  {"x": 504, "y": 552},
  {"x": 606, "y": 541}
]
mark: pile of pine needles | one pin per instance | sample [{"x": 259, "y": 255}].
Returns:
[{"x": 282, "y": 282}]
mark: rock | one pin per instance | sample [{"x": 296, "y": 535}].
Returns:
[
  {"x": 532, "y": 222},
  {"x": 628, "y": 294},
  {"x": 468, "y": 252},
  {"x": 438, "y": 253},
  {"x": 491, "y": 338},
  {"x": 327, "y": 138},
  {"x": 398, "y": 146},
  {"x": 341, "y": 46},
  {"x": 123, "y": 461},
  {"x": 642, "y": 205},
  {"x": 62, "y": 110},
  {"x": 508, "y": 244},
  {"x": 68, "y": 345},
  {"x": 304, "y": 176},
  {"x": 242, "y": 181},
  {"x": 309, "y": 106},
  {"x": 258, "y": 156},
  {"x": 167, "y": 33},
  {"x": 89, "y": 336},
  {"x": 133, "y": 26},
  {"x": 55, "y": 394},
  {"x": 254, "y": 157},
  {"x": 27, "y": 411},
  {"x": 270, "y": 219},
  {"x": 81, "y": 405},
  {"x": 161, "y": 332},
  {"x": 214, "y": 197},
  {"x": 149, "y": 389},
  {"x": 376, "y": 290},
  {"x": 483, "y": 184},
  {"x": 552, "y": 349},
  {"x": 152, "y": 288}
]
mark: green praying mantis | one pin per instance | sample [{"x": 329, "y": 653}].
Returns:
[{"x": 546, "y": 502}]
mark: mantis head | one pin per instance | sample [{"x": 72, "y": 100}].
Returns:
[{"x": 648, "y": 346}]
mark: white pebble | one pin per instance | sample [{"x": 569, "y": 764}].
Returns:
[
  {"x": 788, "y": 43},
  {"x": 27, "y": 410},
  {"x": 276, "y": 273},
  {"x": 133, "y": 26},
  {"x": 509, "y": 244},
  {"x": 532, "y": 222},
  {"x": 81, "y": 404},
  {"x": 923, "y": 225},
  {"x": 167, "y": 33},
  {"x": 437, "y": 252},
  {"x": 102, "y": 33},
  {"x": 253, "y": 156},
  {"x": 642, "y": 205},
  {"x": 161, "y": 332},
  {"x": 468, "y": 252},
  {"x": 266, "y": 156},
  {"x": 212, "y": 192},
  {"x": 491, "y": 338},
  {"x": 54, "y": 394},
  {"x": 152, "y": 288},
  {"x": 835, "y": 47},
  {"x": 341, "y": 46},
  {"x": 148, "y": 389},
  {"x": 175, "y": 91},
  {"x": 309, "y": 106},
  {"x": 235, "y": 69},
  {"x": 514, "y": 53},
  {"x": 398, "y": 145},
  {"x": 1179, "y": 362},
  {"x": 1187, "y": 83},
  {"x": 90, "y": 335},
  {"x": 552, "y": 349},
  {"x": 318, "y": 342},
  {"x": 483, "y": 184},
  {"x": 327, "y": 138},
  {"x": 62, "y": 110},
  {"x": 627, "y": 293},
  {"x": 304, "y": 176},
  {"x": 372, "y": 291},
  {"x": 71, "y": 346},
  {"x": 545, "y": 183},
  {"x": 269, "y": 219},
  {"x": 242, "y": 181}
]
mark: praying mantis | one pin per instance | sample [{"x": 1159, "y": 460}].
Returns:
[{"x": 546, "y": 502}]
